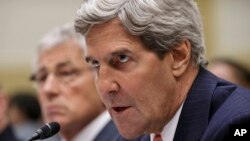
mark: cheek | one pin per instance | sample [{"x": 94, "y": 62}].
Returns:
[
  {"x": 73, "y": 98},
  {"x": 151, "y": 90},
  {"x": 83, "y": 98},
  {"x": 42, "y": 100}
]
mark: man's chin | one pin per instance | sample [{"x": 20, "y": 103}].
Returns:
[
  {"x": 129, "y": 134},
  {"x": 57, "y": 119}
]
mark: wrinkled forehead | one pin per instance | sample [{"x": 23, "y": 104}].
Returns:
[
  {"x": 111, "y": 34},
  {"x": 60, "y": 56},
  {"x": 107, "y": 26}
]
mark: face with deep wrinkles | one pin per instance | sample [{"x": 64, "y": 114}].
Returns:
[
  {"x": 137, "y": 87},
  {"x": 66, "y": 87}
]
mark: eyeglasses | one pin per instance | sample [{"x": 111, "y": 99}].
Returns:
[{"x": 64, "y": 77}]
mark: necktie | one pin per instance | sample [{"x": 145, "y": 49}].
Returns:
[{"x": 157, "y": 137}]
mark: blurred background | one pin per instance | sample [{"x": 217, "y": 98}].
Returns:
[{"x": 23, "y": 23}]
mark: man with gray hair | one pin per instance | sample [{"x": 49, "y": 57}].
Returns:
[
  {"x": 150, "y": 70},
  {"x": 66, "y": 89}
]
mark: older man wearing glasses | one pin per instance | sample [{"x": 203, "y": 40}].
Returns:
[{"x": 66, "y": 88}]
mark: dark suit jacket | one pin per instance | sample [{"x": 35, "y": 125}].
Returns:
[
  {"x": 8, "y": 135},
  {"x": 211, "y": 107},
  {"x": 108, "y": 133},
  {"x": 141, "y": 138}
]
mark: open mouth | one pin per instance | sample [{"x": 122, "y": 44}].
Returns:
[{"x": 119, "y": 109}]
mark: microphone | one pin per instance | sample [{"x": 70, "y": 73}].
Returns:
[{"x": 46, "y": 131}]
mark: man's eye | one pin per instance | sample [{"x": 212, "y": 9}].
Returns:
[
  {"x": 41, "y": 77},
  {"x": 67, "y": 73},
  {"x": 120, "y": 59},
  {"x": 123, "y": 58},
  {"x": 94, "y": 64}
]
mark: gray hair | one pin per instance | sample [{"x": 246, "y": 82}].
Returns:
[
  {"x": 58, "y": 36},
  {"x": 161, "y": 24}
]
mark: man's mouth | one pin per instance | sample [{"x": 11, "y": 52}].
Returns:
[{"x": 119, "y": 109}]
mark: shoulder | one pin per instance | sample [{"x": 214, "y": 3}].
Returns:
[{"x": 231, "y": 106}]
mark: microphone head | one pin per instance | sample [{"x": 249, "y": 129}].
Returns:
[
  {"x": 46, "y": 131},
  {"x": 49, "y": 130}
]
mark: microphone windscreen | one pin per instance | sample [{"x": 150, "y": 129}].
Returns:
[
  {"x": 49, "y": 130},
  {"x": 46, "y": 131}
]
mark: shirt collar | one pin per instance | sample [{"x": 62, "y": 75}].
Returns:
[{"x": 92, "y": 129}]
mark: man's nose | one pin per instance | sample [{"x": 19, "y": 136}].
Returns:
[
  {"x": 106, "y": 81},
  {"x": 51, "y": 85}
]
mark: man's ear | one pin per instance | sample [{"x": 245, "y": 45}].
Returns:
[{"x": 181, "y": 56}]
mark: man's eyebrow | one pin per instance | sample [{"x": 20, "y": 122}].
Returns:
[
  {"x": 41, "y": 69},
  {"x": 44, "y": 69},
  {"x": 120, "y": 51},
  {"x": 114, "y": 53},
  {"x": 33, "y": 75},
  {"x": 63, "y": 64}
]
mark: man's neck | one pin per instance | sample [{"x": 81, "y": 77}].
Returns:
[
  {"x": 186, "y": 82},
  {"x": 69, "y": 134}
]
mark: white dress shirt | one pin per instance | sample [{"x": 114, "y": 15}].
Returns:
[
  {"x": 92, "y": 129},
  {"x": 169, "y": 130}
]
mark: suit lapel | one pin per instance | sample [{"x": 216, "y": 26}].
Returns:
[
  {"x": 195, "y": 113},
  {"x": 108, "y": 133},
  {"x": 145, "y": 138}
]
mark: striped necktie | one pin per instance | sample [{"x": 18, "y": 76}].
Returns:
[{"x": 157, "y": 137}]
